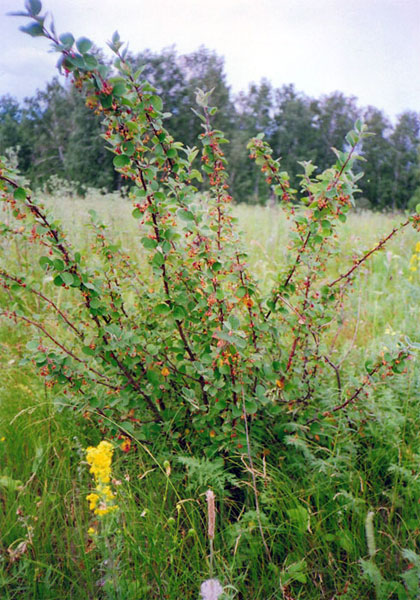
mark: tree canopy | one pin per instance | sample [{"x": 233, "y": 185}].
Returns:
[{"x": 54, "y": 132}]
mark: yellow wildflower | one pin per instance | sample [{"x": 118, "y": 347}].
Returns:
[
  {"x": 107, "y": 493},
  {"x": 418, "y": 247},
  {"x": 100, "y": 459},
  {"x": 105, "y": 510},
  {"x": 102, "y": 500},
  {"x": 93, "y": 500}
]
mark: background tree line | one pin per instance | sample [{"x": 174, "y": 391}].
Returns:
[{"x": 56, "y": 134}]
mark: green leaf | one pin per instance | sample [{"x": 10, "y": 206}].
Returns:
[
  {"x": 90, "y": 61},
  {"x": 119, "y": 89},
  {"x": 88, "y": 350},
  {"x": 67, "y": 278},
  {"x": 166, "y": 247},
  {"x": 83, "y": 45},
  {"x": 44, "y": 261},
  {"x": 95, "y": 303},
  {"x": 158, "y": 259},
  {"x": 103, "y": 71},
  {"x": 18, "y": 13},
  {"x": 234, "y": 322},
  {"x": 33, "y": 6},
  {"x": 77, "y": 61},
  {"x": 58, "y": 264},
  {"x": 369, "y": 364},
  {"x": 251, "y": 407},
  {"x": 195, "y": 174},
  {"x": 418, "y": 209},
  {"x": 67, "y": 40},
  {"x": 153, "y": 377},
  {"x": 186, "y": 215},
  {"x": 106, "y": 100},
  {"x": 121, "y": 160},
  {"x": 156, "y": 102},
  {"x": 19, "y": 194},
  {"x": 398, "y": 367},
  {"x": 162, "y": 309},
  {"x": 179, "y": 313},
  {"x": 137, "y": 214},
  {"x": 90, "y": 286},
  {"x": 358, "y": 125},
  {"x": 64, "y": 61},
  {"x": 148, "y": 242},
  {"x": 128, "y": 148}
]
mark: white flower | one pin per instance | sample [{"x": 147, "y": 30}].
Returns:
[{"x": 211, "y": 589}]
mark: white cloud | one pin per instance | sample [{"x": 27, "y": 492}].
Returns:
[{"x": 367, "y": 48}]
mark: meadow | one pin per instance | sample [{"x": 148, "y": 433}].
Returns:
[{"x": 339, "y": 502}]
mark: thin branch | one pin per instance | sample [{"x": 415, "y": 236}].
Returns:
[
  {"x": 378, "y": 246},
  {"x": 50, "y": 302},
  {"x": 59, "y": 344},
  {"x": 337, "y": 375}
]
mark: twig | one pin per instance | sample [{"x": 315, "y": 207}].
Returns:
[{"x": 366, "y": 256}]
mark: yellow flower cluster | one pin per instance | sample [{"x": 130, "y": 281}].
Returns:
[
  {"x": 415, "y": 260},
  {"x": 102, "y": 501},
  {"x": 100, "y": 459}
]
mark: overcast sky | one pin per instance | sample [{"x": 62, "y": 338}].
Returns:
[{"x": 366, "y": 48}]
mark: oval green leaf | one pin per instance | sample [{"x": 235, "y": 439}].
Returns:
[
  {"x": 19, "y": 194},
  {"x": 68, "y": 278},
  {"x": 121, "y": 160},
  {"x": 83, "y": 45},
  {"x": 67, "y": 40}
]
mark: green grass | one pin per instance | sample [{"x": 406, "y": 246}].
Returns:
[{"x": 315, "y": 488}]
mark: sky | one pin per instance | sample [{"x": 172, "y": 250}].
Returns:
[{"x": 369, "y": 49}]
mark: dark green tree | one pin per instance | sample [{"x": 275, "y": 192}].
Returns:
[
  {"x": 12, "y": 131},
  {"x": 47, "y": 128},
  {"x": 177, "y": 77},
  {"x": 254, "y": 114},
  {"x": 405, "y": 140},
  {"x": 333, "y": 116},
  {"x": 294, "y": 136},
  {"x": 10, "y": 120},
  {"x": 377, "y": 183}
]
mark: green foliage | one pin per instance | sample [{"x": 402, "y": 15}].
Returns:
[
  {"x": 204, "y": 473},
  {"x": 174, "y": 345},
  {"x": 337, "y": 478},
  {"x": 187, "y": 345}
]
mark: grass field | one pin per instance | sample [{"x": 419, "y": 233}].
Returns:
[{"x": 340, "y": 510}]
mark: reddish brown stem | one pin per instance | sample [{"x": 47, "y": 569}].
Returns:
[{"x": 378, "y": 246}]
